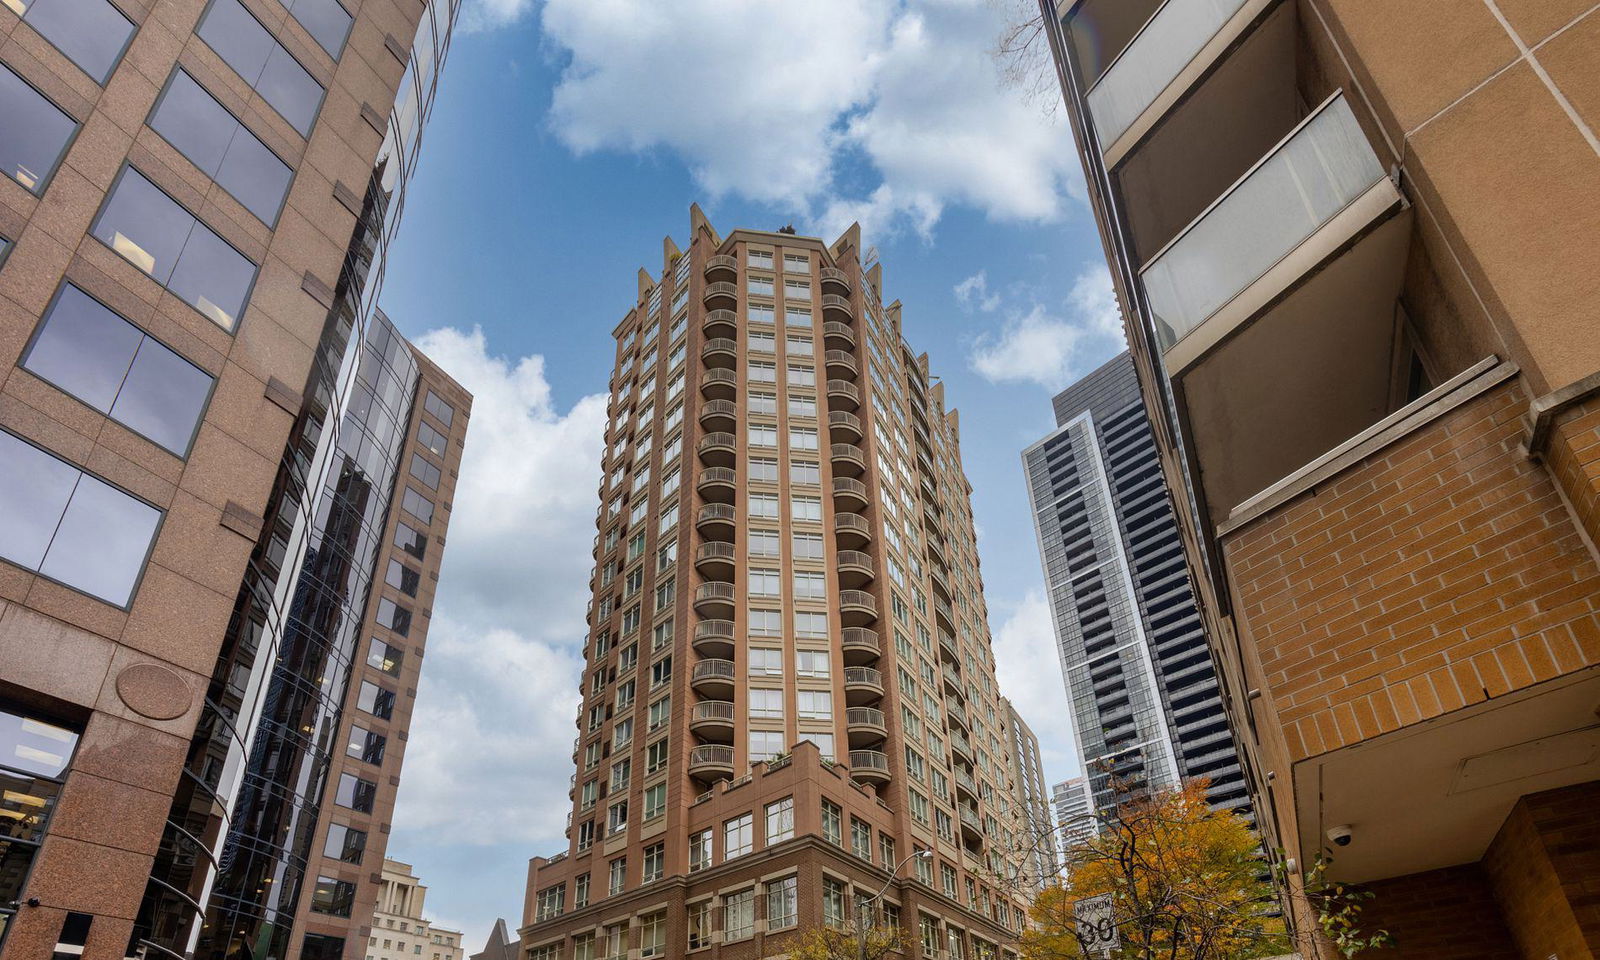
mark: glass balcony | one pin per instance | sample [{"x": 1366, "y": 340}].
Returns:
[
  {"x": 1304, "y": 183},
  {"x": 1155, "y": 57}
]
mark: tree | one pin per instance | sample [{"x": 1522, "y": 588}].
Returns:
[
  {"x": 848, "y": 943},
  {"x": 1022, "y": 52},
  {"x": 1187, "y": 883}
]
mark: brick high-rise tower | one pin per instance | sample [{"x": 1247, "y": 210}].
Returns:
[{"x": 789, "y": 699}]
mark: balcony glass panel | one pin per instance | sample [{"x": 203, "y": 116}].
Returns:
[
  {"x": 1152, "y": 61},
  {"x": 1320, "y": 169}
]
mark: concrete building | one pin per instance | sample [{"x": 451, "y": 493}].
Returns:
[
  {"x": 789, "y": 702},
  {"x": 1146, "y": 709},
  {"x": 1355, "y": 247},
  {"x": 1038, "y": 833},
  {"x": 1074, "y": 806},
  {"x": 204, "y": 423},
  {"x": 400, "y": 930}
]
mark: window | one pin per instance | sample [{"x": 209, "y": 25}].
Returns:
[
  {"x": 699, "y": 851},
  {"x": 365, "y": 745},
  {"x": 861, "y": 838},
  {"x": 766, "y": 662},
  {"x": 333, "y": 896},
  {"x": 760, "y": 258},
  {"x": 766, "y": 704},
  {"x": 71, "y": 526},
  {"x": 738, "y": 837},
  {"x": 810, "y": 624},
  {"x": 810, "y": 586},
  {"x": 655, "y": 858},
  {"x": 824, "y": 742},
  {"x": 806, "y": 508},
  {"x": 424, "y": 471},
  {"x": 660, "y": 671},
  {"x": 947, "y": 879},
  {"x": 92, "y": 353},
  {"x": 780, "y": 821},
  {"x": 765, "y": 623},
  {"x": 37, "y": 132},
  {"x": 617, "y": 818},
  {"x": 814, "y": 704},
  {"x": 797, "y": 289},
  {"x": 328, "y": 23},
  {"x": 410, "y": 540},
  {"x": 91, "y": 33},
  {"x": 619, "y": 875},
  {"x": 763, "y": 403},
  {"x": 764, "y": 505},
  {"x": 622, "y": 733},
  {"x": 343, "y": 843},
  {"x": 765, "y": 543},
  {"x": 318, "y": 946},
  {"x": 660, "y": 713},
  {"x": 264, "y": 63},
  {"x": 375, "y": 700},
  {"x": 805, "y": 472},
  {"x": 354, "y": 793},
  {"x": 625, "y": 693},
  {"x": 155, "y": 234},
  {"x": 919, "y": 807},
  {"x": 653, "y": 933},
  {"x": 402, "y": 578},
  {"x": 801, "y": 347},
  {"x": 393, "y": 616},
  {"x": 763, "y": 342},
  {"x": 700, "y": 925},
  {"x": 580, "y": 892},
  {"x": 796, "y": 316},
  {"x": 765, "y": 583},
  {"x": 739, "y": 915},
  {"x": 34, "y": 755},
  {"x": 807, "y": 546},
  {"x": 760, "y": 286},
  {"x": 886, "y": 857},
  {"x": 199, "y": 127},
  {"x": 763, "y": 436},
  {"x": 832, "y": 822},
  {"x": 802, "y": 376},
  {"x": 802, "y": 438},
  {"x": 763, "y": 469},
  {"x": 832, "y": 902},
  {"x": 441, "y": 411},
  {"x": 813, "y": 664},
  {"x": 796, "y": 263},
  {"x": 655, "y": 757},
  {"x": 783, "y": 901},
  {"x": 655, "y": 802}
]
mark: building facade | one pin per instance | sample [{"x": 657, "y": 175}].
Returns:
[
  {"x": 1147, "y": 713},
  {"x": 193, "y": 223},
  {"x": 1075, "y": 810},
  {"x": 1354, "y": 244},
  {"x": 789, "y": 700},
  {"x": 399, "y": 929},
  {"x": 1037, "y": 830}
]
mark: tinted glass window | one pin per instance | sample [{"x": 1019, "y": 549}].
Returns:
[
  {"x": 326, "y": 20},
  {"x": 442, "y": 411},
  {"x": 69, "y": 525},
  {"x": 402, "y": 578},
  {"x": 383, "y": 657},
  {"x": 375, "y": 700},
  {"x": 394, "y": 616},
  {"x": 240, "y": 39},
  {"x": 110, "y": 364},
  {"x": 333, "y": 897},
  {"x": 355, "y": 793},
  {"x": 425, "y": 471},
  {"x": 320, "y": 947},
  {"x": 92, "y": 33},
  {"x": 417, "y": 505},
  {"x": 192, "y": 120},
  {"x": 36, "y": 132},
  {"x": 345, "y": 844},
  {"x": 410, "y": 540},
  {"x": 431, "y": 438},
  {"x": 161, "y": 238}
]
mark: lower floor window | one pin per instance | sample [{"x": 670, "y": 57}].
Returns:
[
  {"x": 783, "y": 903},
  {"x": 34, "y": 755}
]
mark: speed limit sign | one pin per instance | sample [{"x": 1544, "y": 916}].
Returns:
[{"x": 1097, "y": 931}]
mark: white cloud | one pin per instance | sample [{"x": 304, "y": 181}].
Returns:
[
  {"x": 782, "y": 103},
  {"x": 1023, "y": 645},
  {"x": 1037, "y": 346},
  {"x": 973, "y": 293},
  {"x": 490, "y": 741}
]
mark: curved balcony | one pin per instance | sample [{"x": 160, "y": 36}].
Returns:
[
  {"x": 719, "y": 415},
  {"x": 954, "y": 711},
  {"x": 966, "y": 785},
  {"x": 720, "y": 323},
  {"x": 856, "y": 568},
  {"x": 721, "y": 295},
  {"x": 852, "y": 530},
  {"x": 712, "y": 720},
  {"x": 711, "y": 761},
  {"x": 848, "y": 459},
  {"x": 843, "y": 426},
  {"x": 714, "y": 599},
  {"x": 721, "y": 268},
  {"x": 716, "y": 560},
  {"x": 849, "y": 494},
  {"x": 860, "y": 646},
  {"x": 714, "y": 639},
  {"x": 718, "y": 449},
  {"x": 844, "y": 393},
  {"x": 971, "y": 824},
  {"x": 838, "y": 335},
  {"x": 719, "y": 383},
  {"x": 952, "y": 680},
  {"x": 869, "y": 766},
  {"x": 841, "y": 365},
  {"x": 961, "y": 748},
  {"x": 865, "y": 725},
  {"x": 716, "y": 520},
  {"x": 862, "y": 685},
  {"x": 713, "y": 679},
  {"x": 837, "y": 277},
  {"x": 944, "y": 616},
  {"x": 720, "y": 352},
  {"x": 941, "y": 587},
  {"x": 718, "y": 484},
  {"x": 835, "y": 307},
  {"x": 857, "y": 607}
]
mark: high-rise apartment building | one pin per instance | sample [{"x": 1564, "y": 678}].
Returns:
[
  {"x": 1074, "y": 807},
  {"x": 400, "y": 930},
  {"x": 1145, "y": 704},
  {"x": 1037, "y": 827},
  {"x": 205, "y": 424},
  {"x": 789, "y": 701},
  {"x": 1355, "y": 245}
]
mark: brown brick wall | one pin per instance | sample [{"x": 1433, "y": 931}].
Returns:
[
  {"x": 1544, "y": 867},
  {"x": 1439, "y": 572},
  {"x": 1447, "y": 914},
  {"x": 1573, "y": 454}
]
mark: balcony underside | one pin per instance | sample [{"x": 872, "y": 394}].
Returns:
[{"x": 1435, "y": 794}]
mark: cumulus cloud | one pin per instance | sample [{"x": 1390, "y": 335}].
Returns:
[
  {"x": 1028, "y": 669},
  {"x": 1038, "y": 346},
  {"x": 491, "y": 737},
  {"x": 973, "y": 293},
  {"x": 784, "y": 103}
]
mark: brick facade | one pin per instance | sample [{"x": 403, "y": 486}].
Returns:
[
  {"x": 1447, "y": 914},
  {"x": 1573, "y": 454},
  {"x": 1544, "y": 866}
]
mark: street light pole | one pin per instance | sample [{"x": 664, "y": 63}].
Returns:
[{"x": 861, "y": 933}]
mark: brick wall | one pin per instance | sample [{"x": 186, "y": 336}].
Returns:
[
  {"x": 1447, "y": 914},
  {"x": 1573, "y": 454},
  {"x": 1543, "y": 867},
  {"x": 1439, "y": 572}
]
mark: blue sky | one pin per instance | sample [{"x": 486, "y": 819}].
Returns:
[{"x": 568, "y": 138}]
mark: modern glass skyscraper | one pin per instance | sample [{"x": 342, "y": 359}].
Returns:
[{"x": 1144, "y": 695}]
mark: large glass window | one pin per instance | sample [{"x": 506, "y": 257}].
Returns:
[
  {"x": 225, "y": 150},
  {"x": 37, "y": 132},
  {"x": 92, "y": 33},
  {"x": 355, "y": 793},
  {"x": 34, "y": 754},
  {"x": 333, "y": 896},
  {"x": 264, "y": 63},
  {"x": 110, "y": 364},
  {"x": 375, "y": 700},
  {"x": 344, "y": 843},
  {"x": 158, "y": 236},
  {"x": 327, "y": 21},
  {"x": 71, "y": 526}
]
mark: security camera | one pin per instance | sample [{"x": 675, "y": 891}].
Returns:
[{"x": 1342, "y": 834}]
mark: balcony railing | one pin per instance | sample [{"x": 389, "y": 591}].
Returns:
[
  {"x": 1152, "y": 60},
  {"x": 1303, "y": 183}
]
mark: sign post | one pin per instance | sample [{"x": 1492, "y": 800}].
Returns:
[{"x": 1097, "y": 931}]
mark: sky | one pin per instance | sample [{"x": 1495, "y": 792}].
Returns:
[{"x": 568, "y": 138}]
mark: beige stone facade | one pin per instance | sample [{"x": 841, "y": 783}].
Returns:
[
  {"x": 400, "y": 930},
  {"x": 1355, "y": 247},
  {"x": 789, "y": 699}
]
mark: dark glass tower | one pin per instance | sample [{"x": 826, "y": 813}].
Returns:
[{"x": 1146, "y": 710}]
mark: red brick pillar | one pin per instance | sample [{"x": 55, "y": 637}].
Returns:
[{"x": 1544, "y": 868}]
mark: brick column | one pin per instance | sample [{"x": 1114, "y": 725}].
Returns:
[{"x": 1543, "y": 867}]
